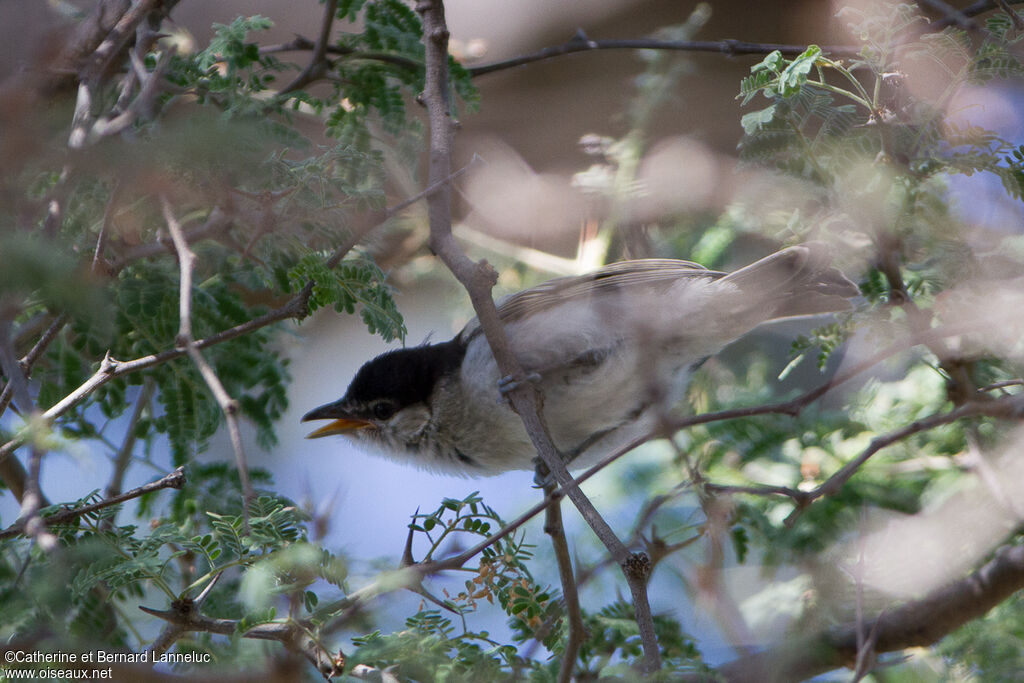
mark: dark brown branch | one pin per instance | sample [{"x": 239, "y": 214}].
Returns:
[
  {"x": 980, "y": 7},
  {"x": 317, "y": 65},
  {"x": 303, "y": 44},
  {"x": 1011, "y": 406},
  {"x": 949, "y": 13},
  {"x": 733, "y": 48},
  {"x": 173, "y": 480},
  {"x": 1018, "y": 23},
  {"x": 84, "y": 40},
  {"x": 794, "y": 407},
  {"x": 116, "y": 41},
  {"x": 917, "y": 623},
  {"x": 554, "y": 528},
  {"x": 184, "y": 615},
  {"x": 582, "y": 43}
]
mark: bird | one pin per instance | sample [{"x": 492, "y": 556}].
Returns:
[{"x": 608, "y": 351}]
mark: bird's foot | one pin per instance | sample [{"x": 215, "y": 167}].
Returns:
[
  {"x": 510, "y": 383},
  {"x": 542, "y": 476}
]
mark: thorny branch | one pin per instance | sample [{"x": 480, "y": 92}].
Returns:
[
  {"x": 186, "y": 617},
  {"x": 229, "y": 406},
  {"x": 478, "y": 280},
  {"x": 173, "y": 480}
]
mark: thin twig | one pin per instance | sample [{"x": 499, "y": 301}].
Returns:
[
  {"x": 1010, "y": 406},
  {"x": 580, "y": 42},
  {"x": 124, "y": 454},
  {"x": 317, "y": 65},
  {"x": 173, "y": 480},
  {"x": 1005, "y": 407},
  {"x": 392, "y": 211},
  {"x": 1018, "y": 23},
  {"x": 995, "y": 386},
  {"x": 216, "y": 222},
  {"x": 175, "y": 630},
  {"x": 16, "y": 380},
  {"x": 303, "y": 44},
  {"x": 949, "y": 13},
  {"x": 11, "y": 471},
  {"x": 229, "y": 406},
  {"x": 792, "y": 408},
  {"x": 294, "y": 635},
  {"x": 554, "y": 528}
]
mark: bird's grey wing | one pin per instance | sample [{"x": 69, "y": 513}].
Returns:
[{"x": 623, "y": 276}]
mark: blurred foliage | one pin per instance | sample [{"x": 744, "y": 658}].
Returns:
[{"x": 81, "y": 234}]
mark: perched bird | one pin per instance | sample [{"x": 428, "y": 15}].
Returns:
[{"x": 605, "y": 349}]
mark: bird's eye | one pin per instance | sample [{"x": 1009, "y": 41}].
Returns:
[{"x": 382, "y": 410}]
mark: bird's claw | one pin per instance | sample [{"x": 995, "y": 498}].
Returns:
[
  {"x": 542, "y": 476},
  {"x": 510, "y": 383}
]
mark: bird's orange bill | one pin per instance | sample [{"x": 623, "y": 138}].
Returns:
[{"x": 338, "y": 427}]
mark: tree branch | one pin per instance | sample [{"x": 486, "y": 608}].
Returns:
[
  {"x": 317, "y": 65},
  {"x": 1018, "y": 23},
  {"x": 124, "y": 454},
  {"x": 917, "y": 623},
  {"x": 173, "y": 480},
  {"x": 295, "y": 635},
  {"x": 1004, "y": 407},
  {"x": 478, "y": 280},
  {"x": 302, "y": 44},
  {"x": 228, "y": 405},
  {"x": 554, "y": 528},
  {"x": 580, "y": 42},
  {"x": 793, "y": 408}
]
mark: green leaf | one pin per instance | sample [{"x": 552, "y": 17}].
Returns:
[
  {"x": 794, "y": 76},
  {"x": 756, "y": 120}
]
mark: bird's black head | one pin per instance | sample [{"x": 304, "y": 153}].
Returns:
[{"x": 387, "y": 384}]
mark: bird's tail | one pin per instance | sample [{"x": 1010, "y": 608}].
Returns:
[{"x": 795, "y": 281}]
